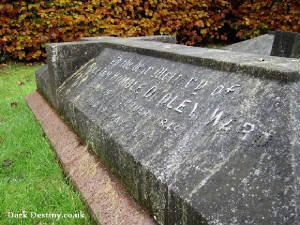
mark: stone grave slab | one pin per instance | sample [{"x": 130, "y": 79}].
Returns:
[
  {"x": 198, "y": 136},
  {"x": 64, "y": 59},
  {"x": 261, "y": 45},
  {"x": 158, "y": 38},
  {"x": 275, "y": 43},
  {"x": 286, "y": 44}
]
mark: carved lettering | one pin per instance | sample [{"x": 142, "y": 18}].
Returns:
[
  {"x": 194, "y": 109},
  {"x": 248, "y": 128},
  {"x": 107, "y": 92},
  {"x": 231, "y": 89},
  {"x": 129, "y": 83},
  {"x": 150, "y": 92},
  {"x": 170, "y": 98},
  {"x": 126, "y": 64},
  {"x": 169, "y": 105},
  {"x": 179, "y": 76},
  {"x": 168, "y": 125},
  {"x": 116, "y": 61},
  {"x": 201, "y": 85},
  {"x": 147, "y": 70},
  {"x": 159, "y": 73},
  {"x": 138, "y": 66},
  {"x": 163, "y": 122},
  {"x": 215, "y": 118},
  {"x": 123, "y": 81},
  {"x": 115, "y": 76},
  {"x": 107, "y": 74},
  {"x": 217, "y": 90},
  {"x": 187, "y": 84},
  {"x": 165, "y": 99},
  {"x": 174, "y": 74},
  {"x": 167, "y": 74},
  {"x": 182, "y": 105},
  {"x": 139, "y": 88},
  {"x": 145, "y": 113},
  {"x": 225, "y": 126},
  {"x": 118, "y": 78},
  {"x": 134, "y": 84}
]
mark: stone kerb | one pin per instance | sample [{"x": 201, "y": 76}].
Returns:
[{"x": 198, "y": 136}]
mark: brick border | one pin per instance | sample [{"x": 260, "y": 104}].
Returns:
[{"x": 106, "y": 198}]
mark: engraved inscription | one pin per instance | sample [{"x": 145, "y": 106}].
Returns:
[
  {"x": 156, "y": 85},
  {"x": 248, "y": 128}
]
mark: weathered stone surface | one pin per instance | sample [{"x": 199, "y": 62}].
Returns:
[
  {"x": 278, "y": 43},
  {"x": 159, "y": 38},
  {"x": 199, "y": 136},
  {"x": 286, "y": 44},
  {"x": 261, "y": 45},
  {"x": 65, "y": 58},
  {"x": 43, "y": 83}
]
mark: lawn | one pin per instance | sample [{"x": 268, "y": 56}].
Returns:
[{"x": 32, "y": 184}]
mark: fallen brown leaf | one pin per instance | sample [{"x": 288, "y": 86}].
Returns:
[
  {"x": 20, "y": 83},
  {"x": 2, "y": 120},
  {"x": 13, "y": 104},
  {"x": 1, "y": 139}
]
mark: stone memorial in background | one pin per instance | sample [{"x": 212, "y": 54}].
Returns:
[
  {"x": 278, "y": 43},
  {"x": 286, "y": 44},
  {"x": 198, "y": 136}
]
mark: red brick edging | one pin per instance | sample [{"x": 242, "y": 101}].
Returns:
[{"x": 106, "y": 198}]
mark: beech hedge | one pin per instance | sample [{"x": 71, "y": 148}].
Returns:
[{"x": 27, "y": 25}]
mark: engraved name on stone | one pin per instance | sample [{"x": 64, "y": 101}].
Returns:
[{"x": 188, "y": 107}]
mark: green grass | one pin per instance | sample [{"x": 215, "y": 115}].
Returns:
[{"x": 31, "y": 179}]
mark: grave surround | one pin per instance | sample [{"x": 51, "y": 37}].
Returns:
[{"x": 198, "y": 136}]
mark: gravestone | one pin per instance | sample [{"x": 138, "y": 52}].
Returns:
[
  {"x": 286, "y": 44},
  {"x": 261, "y": 45},
  {"x": 158, "y": 38},
  {"x": 65, "y": 59},
  {"x": 198, "y": 136},
  {"x": 276, "y": 43}
]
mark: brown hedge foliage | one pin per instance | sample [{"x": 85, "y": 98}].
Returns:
[
  {"x": 255, "y": 17},
  {"x": 27, "y": 25}
]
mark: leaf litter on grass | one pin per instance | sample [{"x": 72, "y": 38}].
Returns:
[
  {"x": 13, "y": 104},
  {"x": 20, "y": 83}
]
